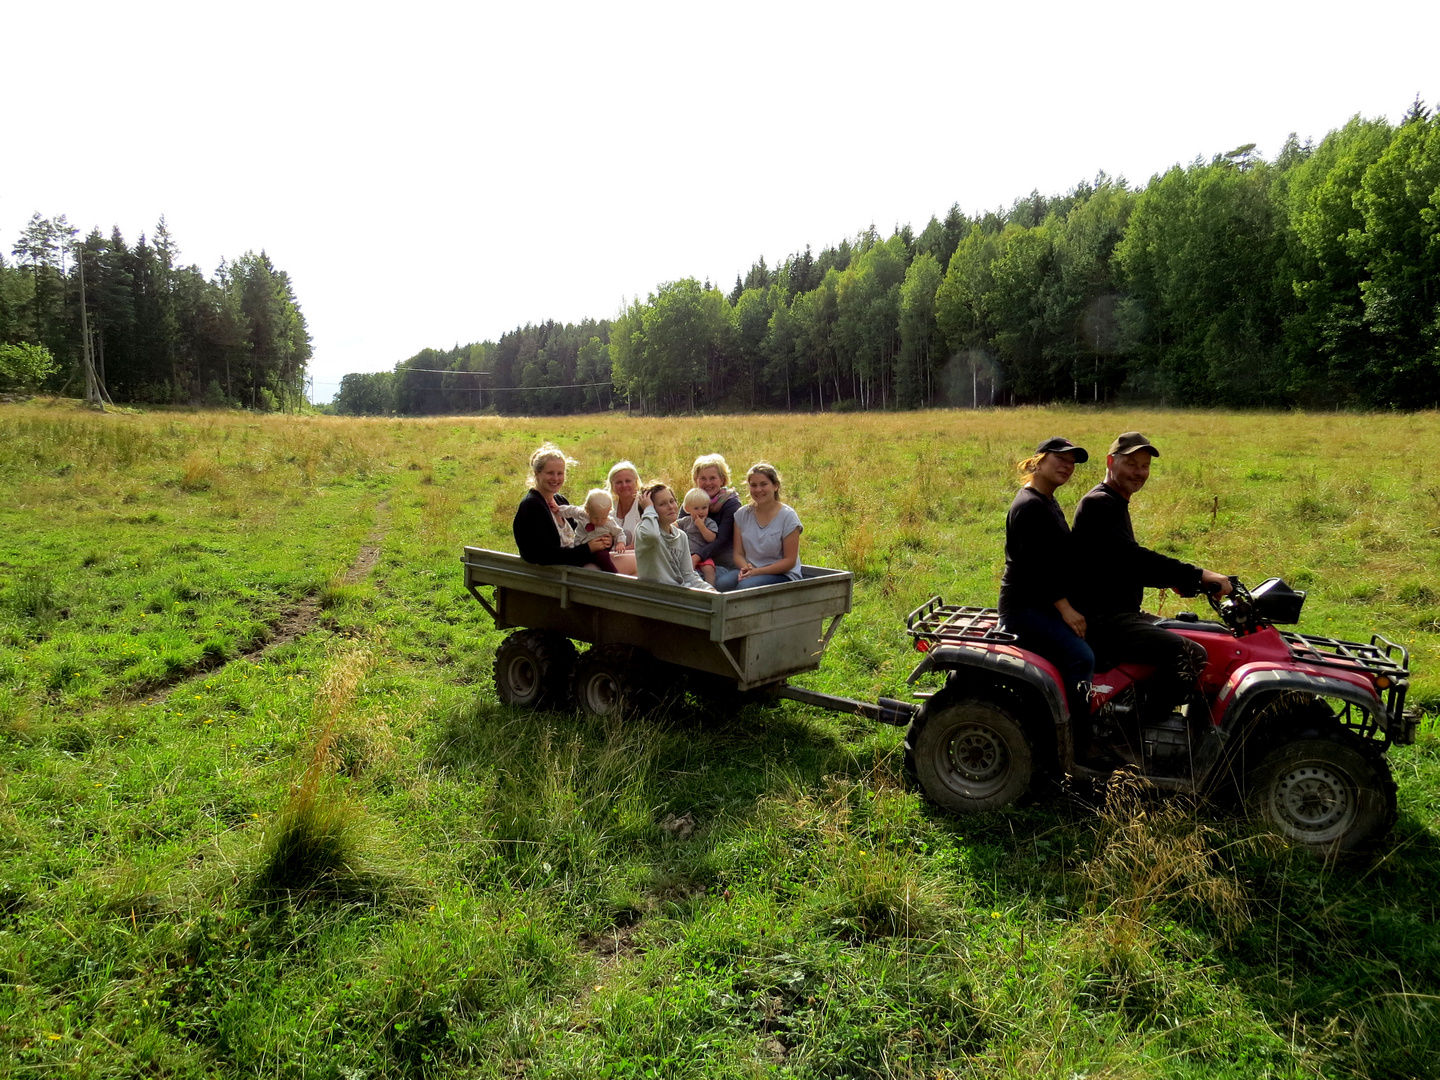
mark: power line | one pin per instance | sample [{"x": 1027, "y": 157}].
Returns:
[
  {"x": 443, "y": 371},
  {"x": 499, "y": 389}
]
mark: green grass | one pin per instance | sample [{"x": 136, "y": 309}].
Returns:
[{"x": 338, "y": 856}]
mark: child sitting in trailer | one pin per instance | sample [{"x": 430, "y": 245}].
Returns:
[
  {"x": 593, "y": 520},
  {"x": 700, "y": 530}
]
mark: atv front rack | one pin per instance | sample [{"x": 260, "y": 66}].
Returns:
[
  {"x": 936, "y": 620},
  {"x": 1387, "y": 661}
]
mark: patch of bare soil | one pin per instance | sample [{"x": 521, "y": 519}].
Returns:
[{"x": 613, "y": 947}]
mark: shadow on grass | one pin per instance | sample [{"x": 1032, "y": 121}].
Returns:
[
  {"x": 808, "y": 824},
  {"x": 1343, "y": 960}
]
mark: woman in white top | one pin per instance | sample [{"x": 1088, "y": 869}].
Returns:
[
  {"x": 661, "y": 550},
  {"x": 623, "y": 484},
  {"x": 767, "y": 536}
]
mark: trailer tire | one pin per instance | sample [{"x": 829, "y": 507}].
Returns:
[
  {"x": 1324, "y": 790},
  {"x": 969, "y": 755},
  {"x": 533, "y": 669},
  {"x": 618, "y": 682}
]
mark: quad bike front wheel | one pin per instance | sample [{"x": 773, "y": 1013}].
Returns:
[
  {"x": 1324, "y": 790},
  {"x": 968, "y": 755}
]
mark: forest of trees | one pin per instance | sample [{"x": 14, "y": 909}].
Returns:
[
  {"x": 1310, "y": 280},
  {"x": 159, "y": 332}
]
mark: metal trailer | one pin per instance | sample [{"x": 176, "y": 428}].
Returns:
[{"x": 747, "y": 640}]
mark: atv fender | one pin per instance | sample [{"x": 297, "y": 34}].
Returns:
[
  {"x": 1008, "y": 664},
  {"x": 1251, "y": 681}
]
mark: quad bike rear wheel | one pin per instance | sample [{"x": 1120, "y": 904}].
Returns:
[
  {"x": 968, "y": 755},
  {"x": 1325, "y": 790}
]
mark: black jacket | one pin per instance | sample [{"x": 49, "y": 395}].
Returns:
[
  {"x": 537, "y": 538},
  {"x": 1038, "y": 555},
  {"x": 1112, "y": 570}
]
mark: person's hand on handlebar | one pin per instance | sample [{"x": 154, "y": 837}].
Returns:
[{"x": 1211, "y": 582}]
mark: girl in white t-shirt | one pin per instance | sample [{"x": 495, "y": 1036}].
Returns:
[{"x": 767, "y": 536}]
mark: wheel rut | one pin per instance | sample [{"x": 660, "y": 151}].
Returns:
[{"x": 295, "y": 621}]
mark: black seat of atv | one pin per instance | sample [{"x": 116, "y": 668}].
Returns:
[{"x": 1194, "y": 622}]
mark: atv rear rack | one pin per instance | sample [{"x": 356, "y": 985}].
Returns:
[{"x": 936, "y": 620}]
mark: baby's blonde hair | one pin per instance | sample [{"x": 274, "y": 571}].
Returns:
[
  {"x": 694, "y": 497},
  {"x": 597, "y": 498}
]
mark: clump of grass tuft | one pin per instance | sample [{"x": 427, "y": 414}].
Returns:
[
  {"x": 35, "y": 596},
  {"x": 319, "y": 845},
  {"x": 868, "y": 889},
  {"x": 1159, "y": 856},
  {"x": 342, "y": 683},
  {"x": 857, "y": 548},
  {"x": 870, "y": 894},
  {"x": 340, "y": 592},
  {"x": 200, "y": 472}
]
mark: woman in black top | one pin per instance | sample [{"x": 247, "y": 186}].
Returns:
[
  {"x": 1039, "y": 571},
  {"x": 541, "y": 534}
]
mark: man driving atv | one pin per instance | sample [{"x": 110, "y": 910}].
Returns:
[{"x": 1113, "y": 571}]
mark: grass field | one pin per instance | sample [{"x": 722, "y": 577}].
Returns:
[{"x": 261, "y": 814}]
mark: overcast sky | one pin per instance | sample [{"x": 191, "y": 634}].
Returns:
[{"x": 432, "y": 174}]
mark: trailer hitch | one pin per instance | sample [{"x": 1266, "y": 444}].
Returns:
[{"x": 886, "y": 710}]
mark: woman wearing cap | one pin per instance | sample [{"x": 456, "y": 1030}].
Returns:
[{"x": 1039, "y": 570}]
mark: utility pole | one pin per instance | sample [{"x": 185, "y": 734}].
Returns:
[{"x": 94, "y": 389}]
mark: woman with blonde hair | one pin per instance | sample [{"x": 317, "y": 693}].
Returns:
[
  {"x": 623, "y": 484},
  {"x": 711, "y": 475},
  {"x": 1039, "y": 574},
  {"x": 542, "y": 535},
  {"x": 767, "y": 536}
]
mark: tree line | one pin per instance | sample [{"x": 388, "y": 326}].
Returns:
[
  {"x": 1312, "y": 279},
  {"x": 158, "y": 331}
]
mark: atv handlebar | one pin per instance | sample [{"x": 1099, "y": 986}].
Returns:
[{"x": 1237, "y": 608}]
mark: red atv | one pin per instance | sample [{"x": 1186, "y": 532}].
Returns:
[{"x": 1299, "y": 724}]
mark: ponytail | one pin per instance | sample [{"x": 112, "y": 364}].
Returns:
[{"x": 1030, "y": 465}]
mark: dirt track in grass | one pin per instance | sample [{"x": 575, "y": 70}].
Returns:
[{"x": 298, "y": 620}]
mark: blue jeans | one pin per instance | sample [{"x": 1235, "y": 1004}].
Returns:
[
  {"x": 727, "y": 580},
  {"x": 754, "y": 581},
  {"x": 1045, "y": 632}
]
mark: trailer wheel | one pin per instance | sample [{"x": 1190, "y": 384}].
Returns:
[
  {"x": 617, "y": 681},
  {"x": 532, "y": 669},
  {"x": 1323, "y": 790},
  {"x": 969, "y": 755}
]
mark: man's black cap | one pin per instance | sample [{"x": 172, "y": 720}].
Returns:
[
  {"x": 1131, "y": 441},
  {"x": 1058, "y": 445}
]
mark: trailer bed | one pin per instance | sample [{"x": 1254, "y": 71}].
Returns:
[{"x": 755, "y": 636}]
